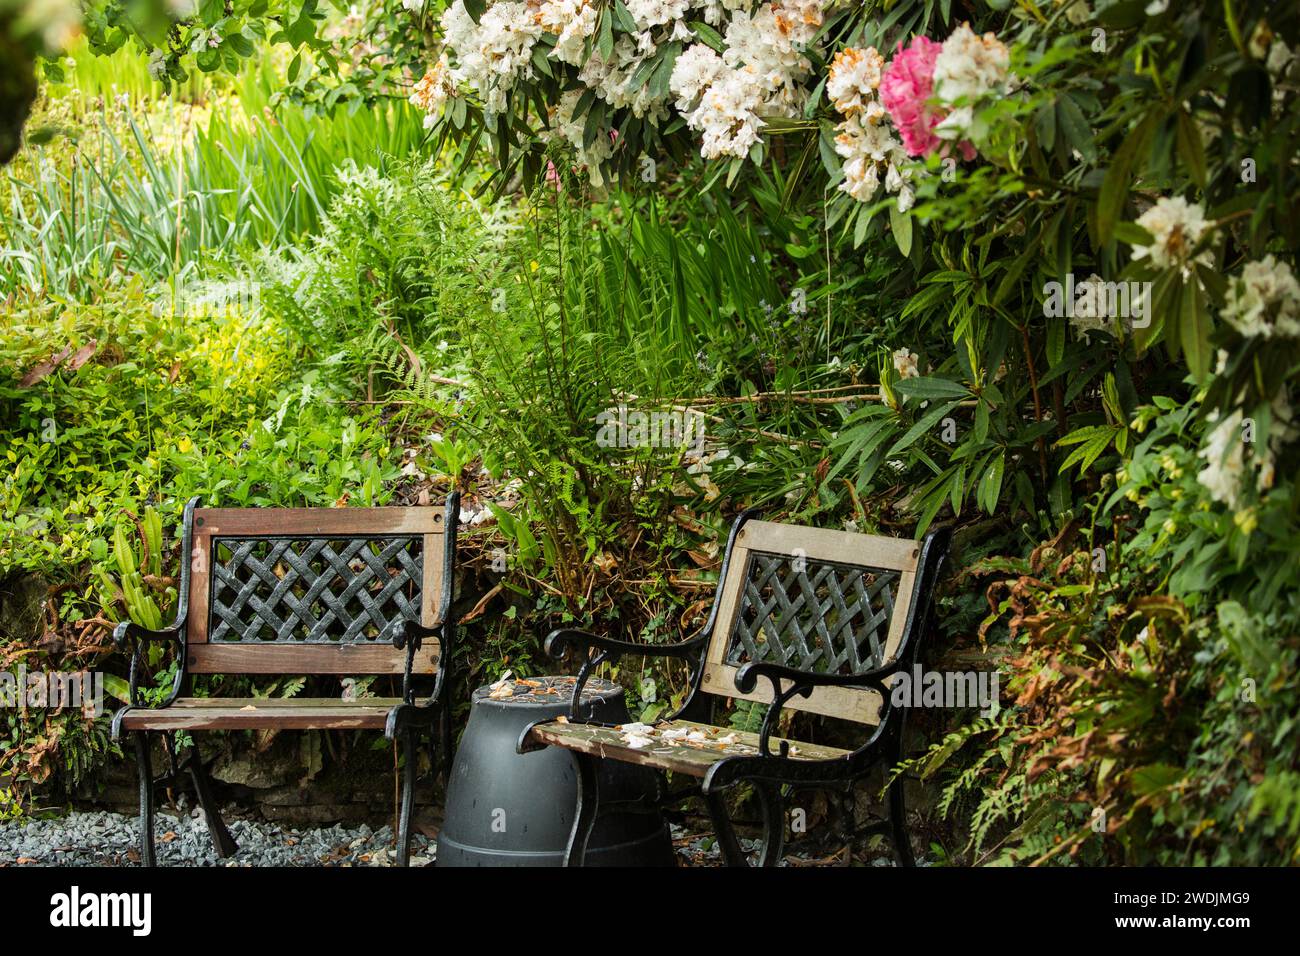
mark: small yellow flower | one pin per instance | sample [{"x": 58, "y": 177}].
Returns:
[{"x": 1246, "y": 520}]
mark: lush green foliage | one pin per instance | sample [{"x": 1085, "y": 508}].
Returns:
[{"x": 1125, "y": 492}]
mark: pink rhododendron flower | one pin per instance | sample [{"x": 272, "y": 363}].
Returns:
[{"x": 906, "y": 87}]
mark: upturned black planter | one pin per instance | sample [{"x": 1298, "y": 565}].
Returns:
[{"x": 510, "y": 809}]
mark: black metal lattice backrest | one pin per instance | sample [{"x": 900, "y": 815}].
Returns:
[
  {"x": 316, "y": 590},
  {"x": 808, "y": 615},
  {"x": 313, "y": 589},
  {"x": 812, "y": 600}
]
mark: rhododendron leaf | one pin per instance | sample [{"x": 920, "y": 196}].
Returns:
[
  {"x": 1074, "y": 128},
  {"x": 1115, "y": 188},
  {"x": 1133, "y": 234},
  {"x": 1045, "y": 126},
  {"x": 990, "y": 485},
  {"x": 926, "y": 422},
  {"x": 606, "y": 42},
  {"x": 861, "y": 225},
  {"x": 239, "y": 44},
  {"x": 826, "y": 148},
  {"x": 624, "y": 17},
  {"x": 931, "y": 387},
  {"x": 709, "y": 36},
  {"x": 664, "y": 71},
  {"x": 1194, "y": 329},
  {"x": 1055, "y": 342},
  {"x": 814, "y": 99},
  {"x": 541, "y": 61},
  {"x": 1191, "y": 148},
  {"x": 1012, "y": 276},
  {"x": 900, "y": 224}
]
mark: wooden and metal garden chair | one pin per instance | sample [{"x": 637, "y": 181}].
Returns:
[
  {"x": 298, "y": 591},
  {"x": 807, "y": 619}
]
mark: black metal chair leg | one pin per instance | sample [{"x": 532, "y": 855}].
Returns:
[
  {"x": 145, "y": 767},
  {"x": 773, "y": 824},
  {"x": 898, "y": 824},
  {"x": 408, "y": 798},
  {"x": 732, "y": 855},
  {"x": 897, "y": 802},
  {"x": 584, "y": 817},
  {"x": 221, "y": 838}
]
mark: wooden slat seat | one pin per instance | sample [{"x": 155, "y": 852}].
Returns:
[
  {"x": 693, "y": 757},
  {"x": 250, "y": 713}
]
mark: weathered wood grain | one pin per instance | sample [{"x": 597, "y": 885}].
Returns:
[
  {"x": 257, "y": 714},
  {"x": 284, "y": 658},
  {"x": 691, "y": 759}
]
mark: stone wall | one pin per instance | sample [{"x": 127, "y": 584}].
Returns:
[{"x": 357, "y": 785}]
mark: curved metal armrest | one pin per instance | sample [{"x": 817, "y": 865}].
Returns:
[
  {"x": 129, "y": 630},
  {"x": 562, "y": 639},
  {"x": 410, "y": 715},
  {"x": 748, "y": 674},
  {"x": 411, "y": 634},
  {"x": 608, "y": 649}
]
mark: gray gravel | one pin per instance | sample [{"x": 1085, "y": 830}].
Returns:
[{"x": 111, "y": 839}]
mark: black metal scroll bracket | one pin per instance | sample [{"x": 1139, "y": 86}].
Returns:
[
  {"x": 589, "y": 664},
  {"x": 773, "y": 715}
]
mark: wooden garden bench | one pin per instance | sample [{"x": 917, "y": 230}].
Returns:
[
  {"x": 824, "y": 618},
  {"x": 346, "y": 591}
]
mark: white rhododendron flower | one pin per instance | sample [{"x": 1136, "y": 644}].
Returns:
[
  {"x": 1176, "y": 226},
  {"x": 653, "y": 13},
  {"x": 714, "y": 9},
  {"x": 905, "y": 364},
  {"x": 758, "y": 68},
  {"x": 1226, "y": 468},
  {"x": 853, "y": 79},
  {"x": 768, "y": 44},
  {"x": 494, "y": 53},
  {"x": 1264, "y": 300},
  {"x": 695, "y": 71},
  {"x": 865, "y": 140},
  {"x": 1225, "y": 459},
  {"x": 970, "y": 66},
  {"x": 612, "y": 79},
  {"x": 570, "y": 22},
  {"x": 727, "y": 115},
  {"x": 1279, "y": 56},
  {"x": 433, "y": 90},
  {"x": 967, "y": 68},
  {"x": 1089, "y": 313}
]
